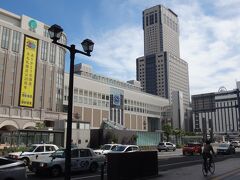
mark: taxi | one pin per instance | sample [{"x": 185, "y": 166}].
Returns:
[
  {"x": 82, "y": 159},
  {"x": 32, "y": 151}
]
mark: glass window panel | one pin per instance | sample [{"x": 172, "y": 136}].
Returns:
[
  {"x": 52, "y": 54},
  {"x": 16, "y": 41},
  {"x": 44, "y": 50},
  {"x": 5, "y": 37},
  {"x": 80, "y": 91}
]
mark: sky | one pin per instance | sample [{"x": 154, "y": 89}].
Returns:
[{"x": 209, "y": 35}]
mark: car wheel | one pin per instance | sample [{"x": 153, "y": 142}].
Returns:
[
  {"x": 55, "y": 171},
  {"x": 159, "y": 150},
  {"x": 26, "y": 161},
  {"x": 174, "y": 149},
  {"x": 93, "y": 167}
]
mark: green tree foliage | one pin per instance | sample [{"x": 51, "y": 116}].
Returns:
[
  {"x": 40, "y": 125},
  {"x": 168, "y": 130}
]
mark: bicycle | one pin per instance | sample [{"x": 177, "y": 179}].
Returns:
[{"x": 208, "y": 167}]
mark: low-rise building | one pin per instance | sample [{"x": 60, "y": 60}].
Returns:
[{"x": 217, "y": 113}]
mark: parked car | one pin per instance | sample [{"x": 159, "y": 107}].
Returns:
[
  {"x": 12, "y": 170},
  {"x": 236, "y": 144},
  {"x": 81, "y": 159},
  {"x": 225, "y": 148},
  {"x": 34, "y": 149},
  {"x": 125, "y": 148},
  {"x": 192, "y": 148},
  {"x": 166, "y": 146},
  {"x": 106, "y": 148}
]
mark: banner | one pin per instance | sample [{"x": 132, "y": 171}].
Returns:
[{"x": 27, "y": 88}]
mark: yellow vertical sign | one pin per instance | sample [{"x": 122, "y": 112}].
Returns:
[{"x": 28, "y": 72}]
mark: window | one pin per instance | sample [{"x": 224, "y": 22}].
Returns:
[
  {"x": 40, "y": 149},
  {"x": 74, "y": 153},
  {"x": 151, "y": 19},
  {"x": 46, "y": 34},
  {"x": 155, "y": 17},
  {"x": 129, "y": 149},
  {"x": 84, "y": 153},
  {"x": 52, "y": 54},
  {"x": 16, "y": 41},
  {"x": 61, "y": 57},
  {"x": 44, "y": 50},
  {"x": 50, "y": 148},
  {"x": 146, "y": 20},
  {"x": 5, "y": 38}
]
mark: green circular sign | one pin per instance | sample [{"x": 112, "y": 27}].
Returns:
[{"x": 32, "y": 24}]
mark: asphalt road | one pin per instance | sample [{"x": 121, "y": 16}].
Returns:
[
  {"x": 168, "y": 162},
  {"x": 227, "y": 169}
]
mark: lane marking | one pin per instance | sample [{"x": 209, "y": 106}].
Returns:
[
  {"x": 185, "y": 162},
  {"x": 224, "y": 175},
  {"x": 86, "y": 177}
]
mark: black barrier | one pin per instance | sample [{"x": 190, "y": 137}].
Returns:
[{"x": 134, "y": 165}]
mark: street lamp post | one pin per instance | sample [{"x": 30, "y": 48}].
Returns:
[{"x": 55, "y": 33}]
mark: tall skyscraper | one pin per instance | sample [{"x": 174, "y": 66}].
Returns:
[{"x": 160, "y": 70}]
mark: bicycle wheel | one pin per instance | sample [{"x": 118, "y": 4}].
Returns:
[
  {"x": 204, "y": 170},
  {"x": 212, "y": 167}
]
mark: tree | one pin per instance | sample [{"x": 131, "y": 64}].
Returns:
[
  {"x": 40, "y": 125},
  {"x": 167, "y": 128},
  {"x": 178, "y": 133}
]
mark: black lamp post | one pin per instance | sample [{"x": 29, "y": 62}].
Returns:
[{"x": 55, "y": 33}]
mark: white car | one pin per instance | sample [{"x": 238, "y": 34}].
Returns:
[
  {"x": 34, "y": 149},
  {"x": 125, "y": 148},
  {"x": 12, "y": 170},
  {"x": 106, "y": 148},
  {"x": 81, "y": 159}
]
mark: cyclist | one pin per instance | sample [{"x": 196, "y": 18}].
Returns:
[{"x": 207, "y": 149}]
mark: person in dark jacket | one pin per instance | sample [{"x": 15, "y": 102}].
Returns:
[{"x": 207, "y": 152}]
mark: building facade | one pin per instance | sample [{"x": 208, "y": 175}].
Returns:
[
  {"x": 216, "y": 114},
  {"x": 161, "y": 71},
  {"x": 31, "y": 74},
  {"x": 99, "y": 99}
]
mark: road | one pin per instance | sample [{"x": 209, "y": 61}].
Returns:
[
  {"x": 227, "y": 169},
  {"x": 173, "y": 165}
]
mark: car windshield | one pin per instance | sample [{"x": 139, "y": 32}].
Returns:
[
  {"x": 106, "y": 147},
  {"x": 31, "y": 148},
  {"x": 119, "y": 148},
  {"x": 60, "y": 153},
  {"x": 223, "y": 145}
]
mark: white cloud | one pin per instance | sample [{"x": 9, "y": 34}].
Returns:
[
  {"x": 117, "y": 51},
  {"x": 209, "y": 42},
  {"x": 210, "y": 45}
]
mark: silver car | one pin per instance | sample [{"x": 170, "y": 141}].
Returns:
[
  {"x": 106, "y": 148},
  {"x": 12, "y": 170},
  {"x": 166, "y": 146},
  {"x": 81, "y": 160},
  {"x": 125, "y": 148}
]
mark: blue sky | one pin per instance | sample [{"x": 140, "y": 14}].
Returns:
[{"x": 209, "y": 35}]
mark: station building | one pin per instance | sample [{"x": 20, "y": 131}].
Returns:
[
  {"x": 34, "y": 91},
  {"x": 31, "y": 81},
  {"x": 123, "y": 105}
]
